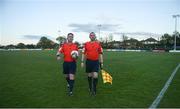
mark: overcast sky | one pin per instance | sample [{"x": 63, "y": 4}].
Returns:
[{"x": 27, "y": 20}]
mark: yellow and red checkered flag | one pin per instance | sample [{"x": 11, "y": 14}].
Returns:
[{"x": 106, "y": 77}]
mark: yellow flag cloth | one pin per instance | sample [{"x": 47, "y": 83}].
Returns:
[{"x": 106, "y": 77}]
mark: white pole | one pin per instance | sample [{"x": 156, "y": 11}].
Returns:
[
  {"x": 99, "y": 26},
  {"x": 175, "y": 32},
  {"x": 59, "y": 34}
]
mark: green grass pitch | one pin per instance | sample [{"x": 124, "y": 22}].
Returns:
[{"x": 34, "y": 79}]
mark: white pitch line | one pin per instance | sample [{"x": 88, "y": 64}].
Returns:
[{"x": 161, "y": 94}]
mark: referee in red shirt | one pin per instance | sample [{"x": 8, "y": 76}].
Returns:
[
  {"x": 69, "y": 65},
  {"x": 92, "y": 52}
]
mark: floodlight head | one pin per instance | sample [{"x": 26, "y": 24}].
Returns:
[
  {"x": 99, "y": 25},
  {"x": 178, "y": 15}
]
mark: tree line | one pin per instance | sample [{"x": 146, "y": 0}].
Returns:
[
  {"x": 44, "y": 43},
  {"x": 165, "y": 42}
]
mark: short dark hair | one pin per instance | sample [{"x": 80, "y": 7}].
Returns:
[
  {"x": 92, "y": 33},
  {"x": 70, "y": 34}
]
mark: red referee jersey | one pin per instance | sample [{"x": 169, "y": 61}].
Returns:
[
  {"x": 92, "y": 50},
  {"x": 66, "y": 49}
]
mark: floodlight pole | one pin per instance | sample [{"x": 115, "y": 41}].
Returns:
[
  {"x": 59, "y": 33},
  {"x": 99, "y": 26},
  {"x": 175, "y": 32}
]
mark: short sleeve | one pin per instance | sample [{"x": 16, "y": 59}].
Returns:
[
  {"x": 76, "y": 47},
  {"x": 61, "y": 50}
]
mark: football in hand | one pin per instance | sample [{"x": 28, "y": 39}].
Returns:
[{"x": 74, "y": 54}]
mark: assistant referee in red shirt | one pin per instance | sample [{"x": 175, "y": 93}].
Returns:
[{"x": 92, "y": 53}]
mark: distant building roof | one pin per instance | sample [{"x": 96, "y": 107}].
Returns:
[{"x": 150, "y": 40}]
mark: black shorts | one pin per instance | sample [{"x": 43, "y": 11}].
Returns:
[
  {"x": 69, "y": 67},
  {"x": 92, "y": 66}
]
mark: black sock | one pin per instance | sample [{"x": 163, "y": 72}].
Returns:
[
  {"x": 90, "y": 83},
  {"x": 67, "y": 79},
  {"x": 95, "y": 81},
  {"x": 71, "y": 83}
]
